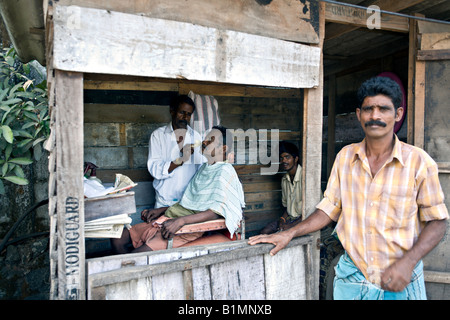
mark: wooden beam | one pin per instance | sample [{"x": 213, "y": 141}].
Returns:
[
  {"x": 288, "y": 19},
  {"x": 419, "y": 104},
  {"x": 443, "y": 54},
  {"x": 437, "y": 277},
  {"x": 69, "y": 183},
  {"x": 358, "y": 18},
  {"x": 114, "y": 82},
  {"x": 411, "y": 75},
  {"x": 331, "y": 143},
  {"x": 119, "y": 43},
  {"x": 386, "y": 5},
  {"x": 312, "y": 155},
  {"x": 419, "y": 97},
  {"x": 444, "y": 167}
]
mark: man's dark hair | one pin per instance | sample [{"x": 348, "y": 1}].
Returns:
[
  {"x": 176, "y": 101},
  {"x": 290, "y": 148},
  {"x": 223, "y": 130},
  {"x": 380, "y": 85}
]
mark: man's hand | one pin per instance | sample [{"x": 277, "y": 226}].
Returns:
[
  {"x": 150, "y": 215},
  {"x": 280, "y": 240},
  {"x": 169, "y": 227},
  {"x": 187, "y": 151},
  {"x": 397, "y": 276},
  {"x": 316, "y": 221}
]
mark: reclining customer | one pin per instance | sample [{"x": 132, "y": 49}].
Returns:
[{"x": 215, "y": 191}]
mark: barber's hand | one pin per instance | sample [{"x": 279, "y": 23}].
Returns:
[
  {"x": 280, "y": 240},
  {"x": 169, "y": 227},
  {"x": 397, "y": 276},
  {"x": 187, "y": 151},
  {"x": 149, "y": 215}
]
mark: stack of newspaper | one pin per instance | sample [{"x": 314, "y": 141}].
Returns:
[
  {"x": 109, "y": 227},
  {"x": 111, "y": 211}
]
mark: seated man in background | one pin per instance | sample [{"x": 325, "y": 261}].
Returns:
[
  {"x": 215, "y": 191},
  {"x": 291, "y": 190}
]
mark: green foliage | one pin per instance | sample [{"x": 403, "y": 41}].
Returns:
[{"x": 24, "y": 118}]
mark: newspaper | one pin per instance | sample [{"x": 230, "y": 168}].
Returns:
[
  {"x": 112, "y": 226},
  {"x": 109, "y": 227},
  {"x": 94, "y": 188}
]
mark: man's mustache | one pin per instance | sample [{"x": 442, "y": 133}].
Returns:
[
  {"x": 182, "y": 121},
  {"x": 375, "y": 122}
]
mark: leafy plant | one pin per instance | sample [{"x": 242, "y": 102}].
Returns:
[{"x": 24, "y": 118}]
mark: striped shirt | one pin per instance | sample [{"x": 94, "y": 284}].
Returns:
[{"x": 379, "y": 218}]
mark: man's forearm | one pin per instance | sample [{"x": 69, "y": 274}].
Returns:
[
  {"x": 429, "y": 238},
  {"x": 173, "y": 166},
  {"x": 200, "y": 217},
  {"x": 398, "y": 275},
  {"x": 316, "y": 221}
]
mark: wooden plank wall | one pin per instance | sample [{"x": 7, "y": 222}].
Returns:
[
  {"x": 117, "y": 133},
  {"x": 223, "y": 271},
  {"x": 431, "y": 133}
]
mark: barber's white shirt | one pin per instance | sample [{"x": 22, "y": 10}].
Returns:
[{"x": 163, "y": 149}]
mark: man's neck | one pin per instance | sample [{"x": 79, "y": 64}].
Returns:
[
  {"x": 215, "y": 160},
  {"x": 292, "y": 172},
  {"x": 379, "y": 147},
  {"x": 378, "y": 152}
]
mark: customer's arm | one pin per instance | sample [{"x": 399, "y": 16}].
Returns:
[{"x": 173, "y": 225}]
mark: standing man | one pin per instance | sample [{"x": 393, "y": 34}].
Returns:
[
  {"x": 388, "y": 203},
  {"x": 291, "y": 190},
  {"x": 174, "y": 156}
]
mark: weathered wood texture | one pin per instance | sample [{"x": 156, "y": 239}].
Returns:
[
  {"x": 110, "y": 42},
  {"x": 312, "y": 157},
  {"x": 102, "y": 41},
  {"x": 68, "y": 150},
  {"x": 281, "y": 19},
  {"x": 437, "y": 144},
  {"x": 109, "y": 205},
  {"x": 433, "y": 136},
  {"x": 356, "y": 17},
  {"x": 231, "y": 271}
]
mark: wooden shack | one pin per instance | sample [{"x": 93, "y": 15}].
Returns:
[
  {"x": 260, "y": 60},
  {"x": 291, "y": 66}
]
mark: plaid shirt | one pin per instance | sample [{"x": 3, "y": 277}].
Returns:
[{"x": 380, "y": 218}]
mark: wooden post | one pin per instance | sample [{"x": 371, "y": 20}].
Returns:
[
  {"x": 68, "y": 150},
  {"x": 416, "y": 89},
  {"x": 312, "y": 153},
  {"x": 419, "y": 103},
  {"x": 331, "y": 145}
]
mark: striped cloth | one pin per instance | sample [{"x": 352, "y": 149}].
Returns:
[
  {"x": 216, "y": 187},
  {"x": 379, "y": 218},
  {"x": 206, "y": 114},
  {"x": 350, "y": 284}
]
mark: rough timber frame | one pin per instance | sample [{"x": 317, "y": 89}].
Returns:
[{"x": 295, "y": 65}]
